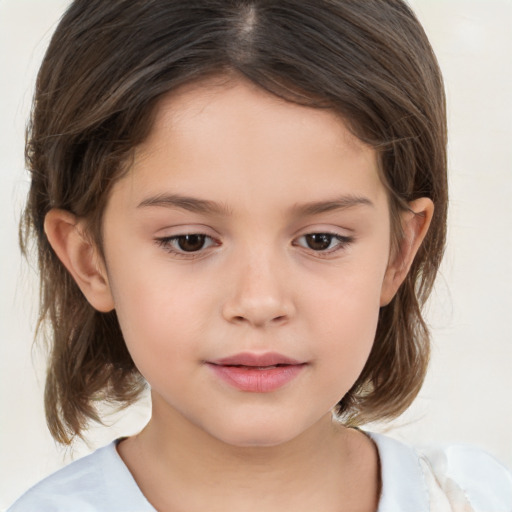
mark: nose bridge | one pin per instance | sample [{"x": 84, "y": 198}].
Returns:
[{"x": 259, "y": 293}]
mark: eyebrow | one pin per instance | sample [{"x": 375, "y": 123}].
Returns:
[
  {"x": 191, "y": 204},
  {"x": 205, "y": 206},
  {"x": 339, "y": 203}
]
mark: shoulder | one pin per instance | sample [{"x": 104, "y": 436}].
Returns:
[
  {"x": 97, "y": 482},
  {"x": 469, "y": 475},
  {"x": 447, "y": 478}
]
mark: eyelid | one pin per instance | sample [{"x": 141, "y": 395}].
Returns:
[
  {"x": 167, "y": 243},
  {"x": 344, "y": 242}
]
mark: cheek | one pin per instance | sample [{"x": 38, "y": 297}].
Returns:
[
  {"x": 350, "y": 324},
  {"x": 347, "y": 312},
  {"x": 161, "y": 335},
  {"x": 162, "y": 317}
]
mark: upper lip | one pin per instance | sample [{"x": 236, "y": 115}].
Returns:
[{"x": 256, "y": 360}]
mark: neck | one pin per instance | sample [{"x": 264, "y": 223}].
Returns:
[{"x": 179, "y": 466}]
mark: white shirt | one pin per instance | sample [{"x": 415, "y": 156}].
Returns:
[{"x": 455, "y": 478}]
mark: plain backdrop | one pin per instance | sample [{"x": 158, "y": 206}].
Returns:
[{"x": 466, "y": 396}]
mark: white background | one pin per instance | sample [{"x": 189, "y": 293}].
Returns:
[{"x": 466, "y": 396}]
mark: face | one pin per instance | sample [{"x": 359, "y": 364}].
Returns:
[{"x": 246, "y": 251}]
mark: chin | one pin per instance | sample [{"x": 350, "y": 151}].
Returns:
[{"x": 258, "y": 435}]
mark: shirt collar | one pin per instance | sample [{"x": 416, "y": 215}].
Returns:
[{"x": 403, "y": 483}]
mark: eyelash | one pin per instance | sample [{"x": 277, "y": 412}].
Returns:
[
  {"x": 169, "y": 244},
  {"x": 342, "y": 243}
]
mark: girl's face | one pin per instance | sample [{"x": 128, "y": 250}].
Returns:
[{"x": 249, "y": 233}]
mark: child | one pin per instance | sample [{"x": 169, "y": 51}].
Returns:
[{"x": 242, "y": 204}]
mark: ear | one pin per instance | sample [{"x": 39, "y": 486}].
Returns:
[
  {"x": 67, "y": 236},
  {"x": 415, "y": 223}
]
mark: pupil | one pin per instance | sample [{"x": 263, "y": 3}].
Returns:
[
  {"x": 319, "y": 241},
  {"x": 191, "y": 243}
]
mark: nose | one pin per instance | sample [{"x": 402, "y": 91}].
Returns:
[{"x": 260, "y": 295}]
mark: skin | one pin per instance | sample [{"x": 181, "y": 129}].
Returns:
[{"x": 255, "y": 286}]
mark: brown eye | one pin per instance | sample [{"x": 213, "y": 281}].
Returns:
[
  {"x": 187, "y": 245},
  {"x": 324, "y": 243},
  {"x": 190, "y": 243},
  {"x": 319, "y": 241}
]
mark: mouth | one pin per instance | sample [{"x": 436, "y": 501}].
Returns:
[
  {"x": 257, "y": 373},
  {"x": 268, "y": 359}
]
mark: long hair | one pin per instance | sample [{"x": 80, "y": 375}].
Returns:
[{"x": 107, "y": 66}]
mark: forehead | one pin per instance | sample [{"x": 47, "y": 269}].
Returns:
[
  {"x": 227, "y": 103},
  {"x": 233, "y": 140}
]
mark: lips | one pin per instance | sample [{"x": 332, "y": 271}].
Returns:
[
  {"x": 257, "y": 373},
  {"x": 253, "y": 360}
]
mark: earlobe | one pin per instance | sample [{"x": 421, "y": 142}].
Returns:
[
  {"x": 80, "y": 256},
  {"x": 415, "y": 224}
]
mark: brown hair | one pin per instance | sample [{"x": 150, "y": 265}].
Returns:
[{"x": 108, "y": 64}]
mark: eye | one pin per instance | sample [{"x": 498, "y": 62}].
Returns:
[
  {"x": 186, "y": 244},
  {"x": 323, "y": 242}
]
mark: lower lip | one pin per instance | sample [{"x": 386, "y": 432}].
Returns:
[{"x": 255, "y": 380}]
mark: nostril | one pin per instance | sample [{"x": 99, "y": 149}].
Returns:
[
  {"x": 257, "y": 311},
  {"x": 242, "y": 319}
]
